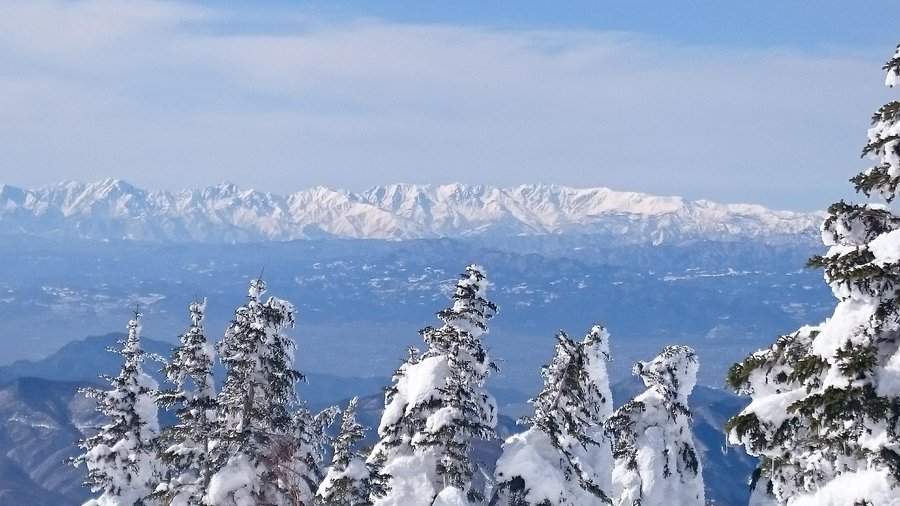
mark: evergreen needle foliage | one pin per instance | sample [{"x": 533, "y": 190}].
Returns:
[
  {"x": 656, "y": 460},
  {"x": 185, "y": 445},
  {"x": 437, "y": 406},
  {"x": 347, "y": 482},
  {"x": 565, "y": 457},
  {"x": 121, "y": 456},
  {"x": 826, "y": 399}
]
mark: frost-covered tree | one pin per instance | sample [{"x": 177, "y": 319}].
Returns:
[
  {"x": 298, "y": 458},
  {"x": 825, "y": 415},
  {"x": 121, "y": 457},
  {"x": 347, "y": 480},
  {"x": 565, "y": 457},
  {"x": 656, "y": 461},
  {"x": 438, "y": 406},
  {"x": 259, "y": 428},
  {"x": 186, "y": 443}
]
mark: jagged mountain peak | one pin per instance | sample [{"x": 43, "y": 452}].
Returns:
[
  {"x": 113, "y": 209},
  {"x": 220, "y": 190},
  {"x": 226, "y": 186},
  {"x": 100, "y": 188}
]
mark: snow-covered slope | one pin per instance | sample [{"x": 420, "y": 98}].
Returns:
[{"x": 114, "y": 210}]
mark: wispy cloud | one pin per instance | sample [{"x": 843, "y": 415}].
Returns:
[{"x": 171, "y": 95}]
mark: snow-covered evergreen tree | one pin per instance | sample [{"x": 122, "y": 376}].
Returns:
[
  {"x": 121, "y": 457},
  {"x": 656, "y": 461},
  {"x": 347, "y": 480},
  {"x": 259, "y": 430},
  {"x": 298, "y": 458},
  {"x": 565, "y": 457},
  {"x": 438, "y": 406},
  {"x": 186, "y": 443},
  {"x": 825, "y": 415}
]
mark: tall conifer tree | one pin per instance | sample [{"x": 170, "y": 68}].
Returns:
[
  {"x": 121, "y": 457},
  {"x": 565, "y": 457},
  {"x": 348, "y": 477},
  {"x": 259, "y": 429},
  {"x": 825, "y": 416},
  {"x": 656, "y": 460},
  {"x": 186, "y": 443},
  {"x": 438, "y": 406}
]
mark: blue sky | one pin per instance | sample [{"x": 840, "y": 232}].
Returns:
[{"x": 764, "y": 101}]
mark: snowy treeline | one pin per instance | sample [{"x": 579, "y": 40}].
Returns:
[
  {"x": 825, "y": 412},
  {"x": 255, "y": 442}
]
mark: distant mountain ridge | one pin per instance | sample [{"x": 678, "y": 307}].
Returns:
[{"x": 115, "y": 210}]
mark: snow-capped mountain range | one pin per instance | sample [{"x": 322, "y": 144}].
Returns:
[{"x": 115, "y": 210}]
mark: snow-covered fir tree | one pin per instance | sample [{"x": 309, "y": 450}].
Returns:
[
  {"x": 186, "y": 443},
  {"x": 260, "y": 431},
  {"x": 347, "y": 480},
  {"x": 825, "y": 414},
  {"x": 565, "y": 457},
  {"x": 121, "y": 457},
  {"x": 438, "y": 406},
  {"x": 656, "y": 461},
  {"x": 298, "y": 466}
]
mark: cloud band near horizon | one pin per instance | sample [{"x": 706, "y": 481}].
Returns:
[{"x": 173, "y": 95}]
